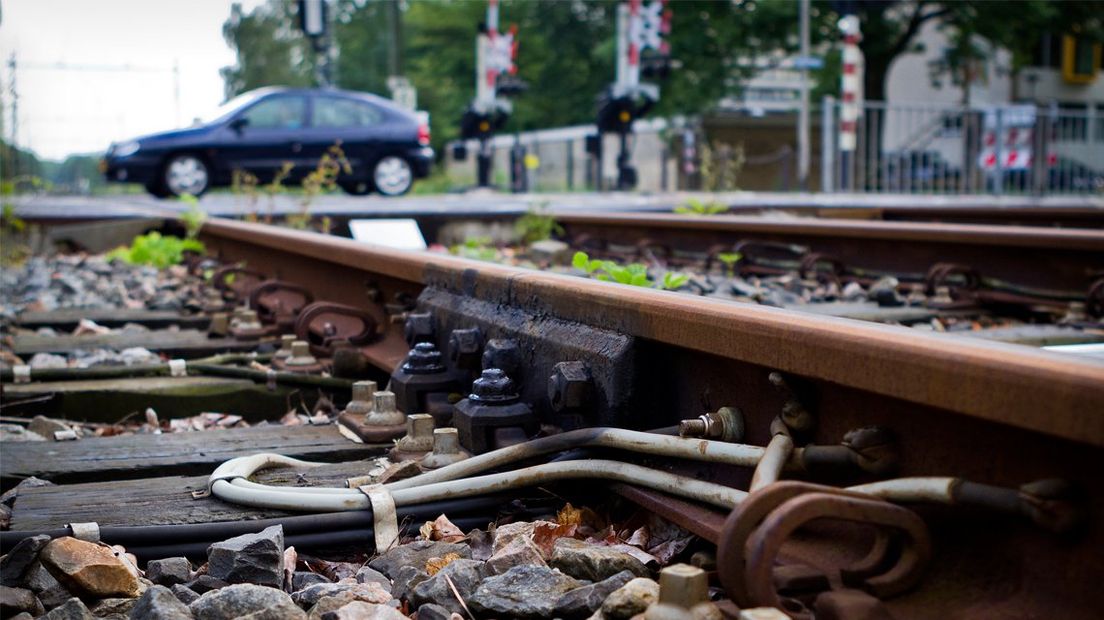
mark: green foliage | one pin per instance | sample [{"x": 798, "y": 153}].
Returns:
[
  {"x": 271, "y": 49},
  {"x": 193, "y": 217},
  {"x": 583, "y": 262},
  {"x": 673, "y": 281},
  {"x": 323, "y": 179},
  {"x": 537, "y": 225},
  {"x": 729, "y": 259},
  {"x": 157, "y": 250},
  {"x": 477, "y": 248},
  {"x": 633, "y": 274},
  {"x": 694, "y": 206},
  {"x": 9, "y": 221}
]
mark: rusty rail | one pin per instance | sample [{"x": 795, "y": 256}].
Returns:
[
  {"x": 1012, "y": 385},
  {"x": 1054, "y": 258}
]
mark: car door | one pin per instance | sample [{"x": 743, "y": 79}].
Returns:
[
  {"x": 266, "y": 135},
  {"x": 346, "y": 121}
]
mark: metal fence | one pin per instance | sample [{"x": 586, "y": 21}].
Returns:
[{"x": 926, "y": 149}]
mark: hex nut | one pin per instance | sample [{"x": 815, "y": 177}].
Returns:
[
  {"x": 504, "y": 354},
  {"x": 465, "y": 348},
  {"x": 418, "y": 328},
  {"x": 570, "y": 386}
]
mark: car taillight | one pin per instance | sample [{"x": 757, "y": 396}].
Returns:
[{"x": 423, "y": 134}]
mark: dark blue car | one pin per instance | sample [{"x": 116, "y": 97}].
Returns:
[{"x": 387, "y": 147}]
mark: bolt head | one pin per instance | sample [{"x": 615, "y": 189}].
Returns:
[
  {"x": 493, "y": 386},
  {"x": 570, "y": 386},
  {"x": 423, "y": 359},
  {"x": 502, "y": 353},
  {"x": 418, "y": 328},
  {"x": 683, "y": 585},
  {"x": 464, "y": 347}
]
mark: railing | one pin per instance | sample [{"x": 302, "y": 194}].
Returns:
[{"x": 926, "y": 149}]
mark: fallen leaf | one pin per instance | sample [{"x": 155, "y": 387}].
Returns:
[
  {"x": 481, "y": 543},
  {"x": 434, "y": 565},
  {"x": 291, "y": 558},
  {"x": 442, "y": 529},
  {"x": 545, "y": 535}
]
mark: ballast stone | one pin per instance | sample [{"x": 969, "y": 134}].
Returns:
[{"x": 250, "y": 558}]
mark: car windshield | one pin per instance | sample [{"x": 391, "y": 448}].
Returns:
[{"x": 229, "y": 107}]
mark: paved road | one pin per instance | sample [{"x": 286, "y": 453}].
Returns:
[{"x": 493, "y": 203}]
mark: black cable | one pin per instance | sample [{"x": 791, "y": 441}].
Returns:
[
  {"x": 207, "y": 533},
  {"x": 357, "y": 536}
]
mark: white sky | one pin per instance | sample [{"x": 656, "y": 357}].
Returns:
[{"x": 64, "y": 111}]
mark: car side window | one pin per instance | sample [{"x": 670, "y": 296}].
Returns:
[
  {"x": 276, "y": 113},
  {"x": 338, "y": 112}
]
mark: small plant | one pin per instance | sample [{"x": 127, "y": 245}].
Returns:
[
  {"x": 537, "y": 225},
  {"x": 633, "y": 274},
  {"x": 244, "y": 183},
  {"x": 193, "y": 217},
  {"x": 583, "y": 262},
  {"x": 157, "y": 250},
  {"x": 12, "y": 252},
  {"x": 477, "y": 248},
  {"x": 697, "y": 207},
  {"x": 323, "y": 179},
  {"x": 673, "y": 281},
  {"x": 730, "y": 259},
  {"x": 721, "y": 165}
]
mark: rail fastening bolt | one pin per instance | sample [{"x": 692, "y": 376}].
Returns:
[
  {"x": 220, "y": 324},
  {"x": 569, "y": 387},
  {"x": 446, "y": 449},
  {"x": 419, "y": 434},
  {"x": 363, "y": 401},
  {"x": 493, "y": 386},
  {"x": 423, "y": 359},
  {"x": 418, "y": 327},
  {"x": 285, "y": 347},
  {"x": 384, "y": 411},
  {"x": 502, "y": 353},
  {"x": 683, "y": 585},
  {"x": 300, "y": 354},
  {"x": 465, "y": 348}
]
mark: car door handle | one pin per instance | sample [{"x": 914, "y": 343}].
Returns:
[{"x": 296, "y": 147}]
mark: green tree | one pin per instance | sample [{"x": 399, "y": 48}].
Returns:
[{"x": 269, "y": 46}]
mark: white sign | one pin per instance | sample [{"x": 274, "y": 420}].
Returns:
[{"x": 401, "y": 234}]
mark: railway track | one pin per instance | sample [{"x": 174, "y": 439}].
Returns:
[{"x": 829, "y": 401}]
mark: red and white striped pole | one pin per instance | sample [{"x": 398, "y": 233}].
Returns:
[
  {"x": 492, "y": 34},
  {"x": 852, "y": 81},
  {"x": 851, "y": 95}
]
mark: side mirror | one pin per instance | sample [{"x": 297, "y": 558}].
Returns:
[{"x": 238, "y": 124}]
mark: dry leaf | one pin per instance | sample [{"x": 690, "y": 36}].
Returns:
[
  {"x": 545, "y": 535},
  {"x": 441, "y": 529},
  {"x": 434, "y": 565}
]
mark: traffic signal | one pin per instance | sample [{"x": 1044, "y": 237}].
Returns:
[
  {"x": 616, "y": 115},
  {"x": 474, "y": 125}
]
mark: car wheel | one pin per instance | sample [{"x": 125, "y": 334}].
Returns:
[
  {"x": 355, "y": 188},
  {"x": 392, "y": 176},
  {"x": 186, "y": 174}
]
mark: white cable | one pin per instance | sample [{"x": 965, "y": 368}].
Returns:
[
  {"x": 936, "y": 489},
  {"x": 774, "y": 460},
  {"x": 227, "y": 485}
]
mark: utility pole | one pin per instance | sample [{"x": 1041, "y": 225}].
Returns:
[{"x": 803, "y": 114}]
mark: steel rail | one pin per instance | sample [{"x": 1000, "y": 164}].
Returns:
[
  {"x": 1025, "y": 388},
  {"x": 1038, "y": 257}
]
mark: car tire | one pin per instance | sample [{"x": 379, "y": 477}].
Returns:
[
  {"x": 392, "y": 176},
  {"x": 355, "y": 188},
  {"x": 157, "y": 189},
  {"x": 185, "y": 174}
]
